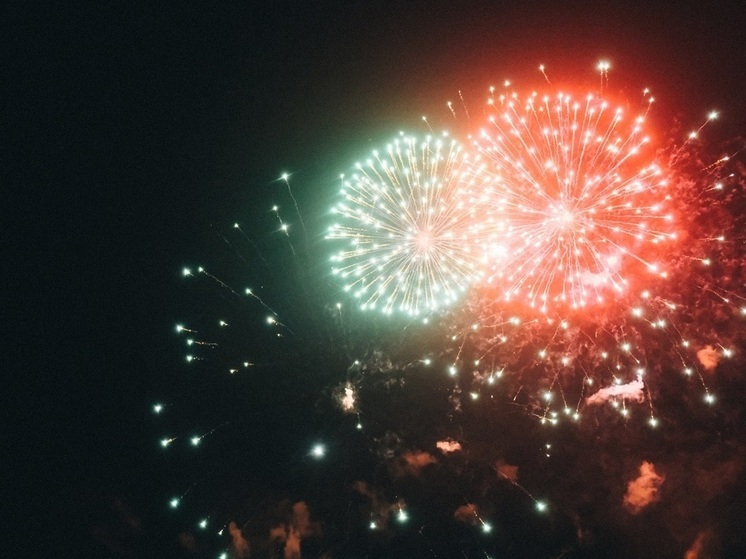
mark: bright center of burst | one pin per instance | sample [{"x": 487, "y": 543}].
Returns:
[
  {"x": 423, "y": 242},
  {"x": 567, "y": 217}
]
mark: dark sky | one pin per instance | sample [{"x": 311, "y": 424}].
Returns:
[{"x": 133, "y": 128}]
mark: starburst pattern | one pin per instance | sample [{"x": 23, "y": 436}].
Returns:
[
  {"x": 575, "y": 202},
  {"x": 410, "y": 219}
]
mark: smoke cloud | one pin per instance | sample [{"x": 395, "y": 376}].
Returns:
[
  {"x": 448, "y": 446},
  {"x": 467, "y": 514},
  {"x": 507, "y": 471},
  {"x": 634, "y": 391},
  {"x": 240, "y": 544},
  {"x": 187, "y": 542},
  {"x": 697, "y": 548},
  {"x": 709, "y": 357},
  {"x": 413, "y": 461},
  {"x": 291, "y": 534},
  {"x": 644, "y": 490}
]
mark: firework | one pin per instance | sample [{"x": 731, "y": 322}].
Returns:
[
  {"x": 575, "y": 203},
  {"x": 409, "y": 217},
  {"x": 559, "y": 363},
  {"x": 555, "y": 208}
]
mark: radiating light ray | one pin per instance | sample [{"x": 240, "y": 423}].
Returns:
[
  {"x": 284, "y": 228},
  {"x": 424, "y": 119},
  {"x": 272, "y": 321},
  {"x": 251, "y": 293},
  {"x": 220, "y": 282},
  {"x": 692, "y": 136},
  {"x": 603, "y": 67},
  {"x": 253, "y": 245},
  {"x": 543, "y": 73},
  {"x": 285, "y": 177}
]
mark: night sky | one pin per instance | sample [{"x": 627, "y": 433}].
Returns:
[{"x": 136, "y": 135}]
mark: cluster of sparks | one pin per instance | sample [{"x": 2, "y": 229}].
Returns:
[
  {"x": 571, "y": 364},
  {"x": 554, "y": 210},
  {"x": 572, "y": 203},
  {"x": 552, "y": 203},
  {"x": 411, "y": 219}
]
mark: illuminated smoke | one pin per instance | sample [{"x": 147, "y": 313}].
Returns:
[
  {"x": 467, "y": 514},
  {"x": 632, "y": 391},
  {"x": 188, "y": 542},
  {"x": 697, "y": 550},
  {"x": 507, "y": 471},
  {"x": 448, "y": 446},
  {"x": 240, "y": 545},
  {"x": 348, "y": 402},
  {"x": 709, "y": 357},
  {"x": 643, "y": 490},
  {"x": 290, "y": 534},
  {"x": 345, "y": 396},
  {"x": 413, "y": 461}
]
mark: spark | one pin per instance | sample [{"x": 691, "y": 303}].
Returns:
[
  {"x": 285, "y": 177},
  {"x": 272, "y": 321},
  {"x": 251, "y": 293},
  {"x": 603, "y": 67},
  {"x": 543, "y": 73},
  {"x": 253, "y": 245},
  {"x": 284, "y": 227},
  {"x": 424, "y": 119},
  {"x": 450, "y": 107}
]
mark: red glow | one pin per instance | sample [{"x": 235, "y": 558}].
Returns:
[{"x": 578, "y": 205}]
